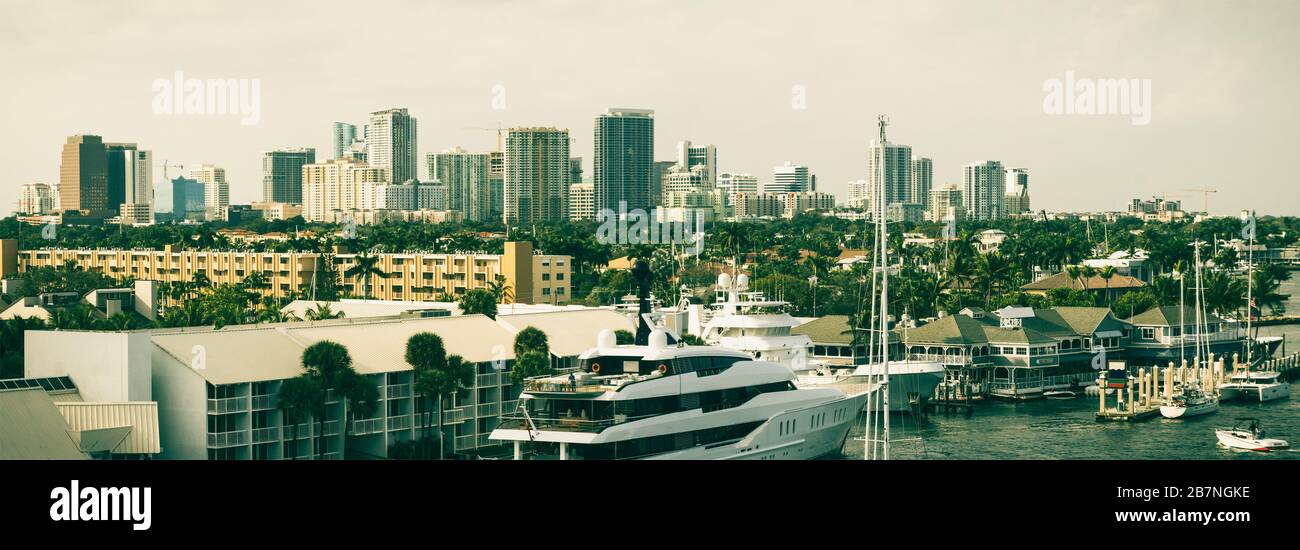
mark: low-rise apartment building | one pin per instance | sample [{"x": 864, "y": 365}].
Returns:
[{"x": 408, "y": 276}]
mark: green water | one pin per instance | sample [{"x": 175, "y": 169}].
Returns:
[{"x": 1047, "y": 429}]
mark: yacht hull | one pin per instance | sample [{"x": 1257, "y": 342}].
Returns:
[
  {"x": 1177, "y": 411},
  {"x": 1236, "y": 439},
  {"x": 1254, "y": 392}
]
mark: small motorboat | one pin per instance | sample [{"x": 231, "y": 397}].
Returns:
[
  {"x": 1060, "y": 394},
  {"x": 1249, "y": 436},
  {"x": 1190, "y": 402}
]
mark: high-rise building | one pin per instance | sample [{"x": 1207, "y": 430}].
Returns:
[
  {"x": 83, "y": 176},
  {"x": 945, "y": 203},
  {"x": 338, "y": 185},
  {"x": 624, "y": 156},
  {"x": 737, "y": 183},
  {"x": 129, "y": 176},
  {"x": 657, "y": 170},
  {"x": 344, "y": 135},
  {"x": 682, "y": 180},
  {"x": 536, "y": 175},
  {"x": 582, "y": 201},
  {"x": 1017, "y": 197},
  {"x": 859, "y": 194},
  {"x": 468, "y": 177},
  {"x": 983, "y": 190},
  {"x": 36, "y": 198},
  {"x": 690, "y": 156},
  {"x": 575, "y": 170},
  {"x": 922, "y": 181},
  {"x": 790, "y": 178},
  {"x": 498, "y": 183},
  {"x": 898, "y": 173},
  {"x": 391, "y": 142},
  {"x": 282, "y": 174},
  {"x": 187, "y": 198},
  {"x": 216, "y": 191}
]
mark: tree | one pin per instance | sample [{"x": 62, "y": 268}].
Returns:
[
  {"x": 531, "y": 339},
  {"x": 692, "y": 340},
  {"x": 323, "y": 311},
  {"x": 624, "y": 337},
  {"x": 501, "y": 291},
  {"x": 530, "y": 364},
  {"x": 300, "y": 398},
  {"x": 1106, "y": 274},
  {"x": 1133, "y": 303},
  {"x": 992, "y": 272},
  {"x": 366, "y": 267},
  {"x": 479, "y": 301},
  {"x": 331, "y": 366},
  {"x": 436, "y": 374}
]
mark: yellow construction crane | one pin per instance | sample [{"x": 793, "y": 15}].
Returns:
[
  {"x": 498, "y": 130},
  {"x": 1205, "y": 193}
]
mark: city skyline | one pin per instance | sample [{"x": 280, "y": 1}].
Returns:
[{"x": 1219, "y": 90}]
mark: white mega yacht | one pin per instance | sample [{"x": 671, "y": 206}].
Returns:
[
  {"x": 662, "y": 401},
  {"x": 746, "y": 320},
  {"x": 911, "y": 383}
]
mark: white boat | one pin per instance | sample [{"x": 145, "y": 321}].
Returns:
[
  {"x": 1060, "y": 394},
  {"x": 911, "y": 383},
  {"x": 662, "y": 401},
  {"x": 1250, "y": 437},
  {"x": 746, "y": 320},
  {"x": 1257, "y": 386},
  {"x": 1190, "y": 402}
]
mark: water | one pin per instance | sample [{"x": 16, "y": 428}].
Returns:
[{"x": 1047, "y": 429}]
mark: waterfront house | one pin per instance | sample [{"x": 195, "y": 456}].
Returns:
[
  {"x": 1165, "y": 334},
  {"x": 1109, "y": 290}
]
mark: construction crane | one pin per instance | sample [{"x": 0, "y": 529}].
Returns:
[
  {"x": 1205, "y": 193},
  {"x": 498, "y": 130}
]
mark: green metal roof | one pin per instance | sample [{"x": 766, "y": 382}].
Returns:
[{"x": 831, "y": 329}]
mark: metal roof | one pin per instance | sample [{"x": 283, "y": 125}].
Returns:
[
  {"x": 569, "y": 333},
  {"x": 141, "y": 419},
  {"x": 40, "y": 432}
]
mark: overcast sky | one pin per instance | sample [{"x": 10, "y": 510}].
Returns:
[{"x": 962, "y": 81}]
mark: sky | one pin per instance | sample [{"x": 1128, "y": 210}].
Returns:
[{"x": 766, "y": 82}]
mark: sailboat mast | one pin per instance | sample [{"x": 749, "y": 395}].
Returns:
[
  {"x": 1250, "y": 279},
  {"x": 882, "y": 237}
]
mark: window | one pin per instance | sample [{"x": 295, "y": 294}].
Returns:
[{"x": 1148, "y": 333}]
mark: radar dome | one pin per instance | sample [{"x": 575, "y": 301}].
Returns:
[
  {"x": 606, "y": 339},
  {"x": 742, "y": 282},
  {"x": 658, "y": 339},
  {"x": 724, "y": 280}
]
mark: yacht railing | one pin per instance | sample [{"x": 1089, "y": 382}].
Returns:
[{"x": 563, "y": 424}]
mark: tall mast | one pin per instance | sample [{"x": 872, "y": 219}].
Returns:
[
  {"x": 882, "y": 236},
  {"x": 1249, "y": 233}
]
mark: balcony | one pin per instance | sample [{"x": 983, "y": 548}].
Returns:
[
  {"x": 489, "y": 409},
  {"x": 266, "y": 435},
  {"x": 228, "y": 405},
  {"x": 457, "y": 415},
  {"x": 466, "y": 442},
  {"x": 367, "y": 426},
  {"x": 399, "y": 423},
  {"x": 492, "y": 379},
  {"x": 265, "y": 402},
  {"x": 227, "y": 439},
  {"x": 398, "y": 391}
]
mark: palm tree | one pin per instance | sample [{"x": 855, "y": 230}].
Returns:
[
  {"x": 478, "y": 301},
  {"x": 323, "y": 311},
  {"x": 331, "y": 365},
  {"x": 366, "y": 267},
  {"x": 1106, "y": 273},
  {"x": 427, "y": 356},
  {"x": 437, "y": 376},
  {"x": 502, "y": 291},
  {"x": 992, "y": 272},
  {"x": 300, "y": 397}
]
